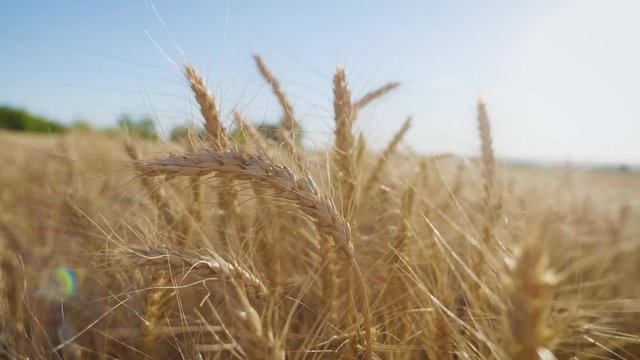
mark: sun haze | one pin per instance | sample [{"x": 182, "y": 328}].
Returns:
[{"x": 559, "y": 76}]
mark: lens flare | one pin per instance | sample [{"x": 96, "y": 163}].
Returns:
[
  {"x": 64, "y": 281},
  {"x": 58, "y": 284}
]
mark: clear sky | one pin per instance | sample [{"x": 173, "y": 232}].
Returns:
[{"x": 561, "y": 78}]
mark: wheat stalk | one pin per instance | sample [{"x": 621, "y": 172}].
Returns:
[
  {"x": 261, "y": 171},
  {"x": 219, "y": 141},
  {"x": 157, "y": 297},
  {"x": 383, "y": 159},
  {"x": 155, "y": 190},
  {"x": 344, "y": 167},
  {"x": 289, "y": 122},
  {"x": 289, "y": 127},
  {"x": 194, "y": 216},
  {"x": 345, "y": 164}
]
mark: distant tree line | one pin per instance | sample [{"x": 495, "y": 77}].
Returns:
[
  {"x": 21, "y": 120},
  {"x": 17, "y": 119}
]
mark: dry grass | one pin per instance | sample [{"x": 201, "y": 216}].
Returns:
[{"x": 234, "y": 250}]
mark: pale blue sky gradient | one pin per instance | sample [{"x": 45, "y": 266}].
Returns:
[{"x": 560, "y": 77}]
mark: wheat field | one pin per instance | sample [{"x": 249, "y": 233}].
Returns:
[{"x": 225, "y": 247}]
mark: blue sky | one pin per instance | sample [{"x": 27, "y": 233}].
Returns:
[{"x": 560, "y": 77}]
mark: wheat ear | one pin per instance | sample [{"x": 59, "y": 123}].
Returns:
[
  {"x": 491, "y": 202},
  {"x": 193, "y": 263},
  {"x": 156, "y": 309},
  {"x": 529, "y": 289},
  {"x": 256, "y": 340},
  {"x": 262, "y": 172},
  {"x": 208, "y": 108},
  {"x": 344, "y": 156}
]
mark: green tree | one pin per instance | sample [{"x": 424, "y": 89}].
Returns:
[
  {"x": 81, "y": 125},
  {"x": 21, "y": 120},
  {"x": 270, "y": 131},
  {"x": 143, "y": 128}
]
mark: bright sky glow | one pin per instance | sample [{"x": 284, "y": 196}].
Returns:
[{"x": 560, "y": 77}]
